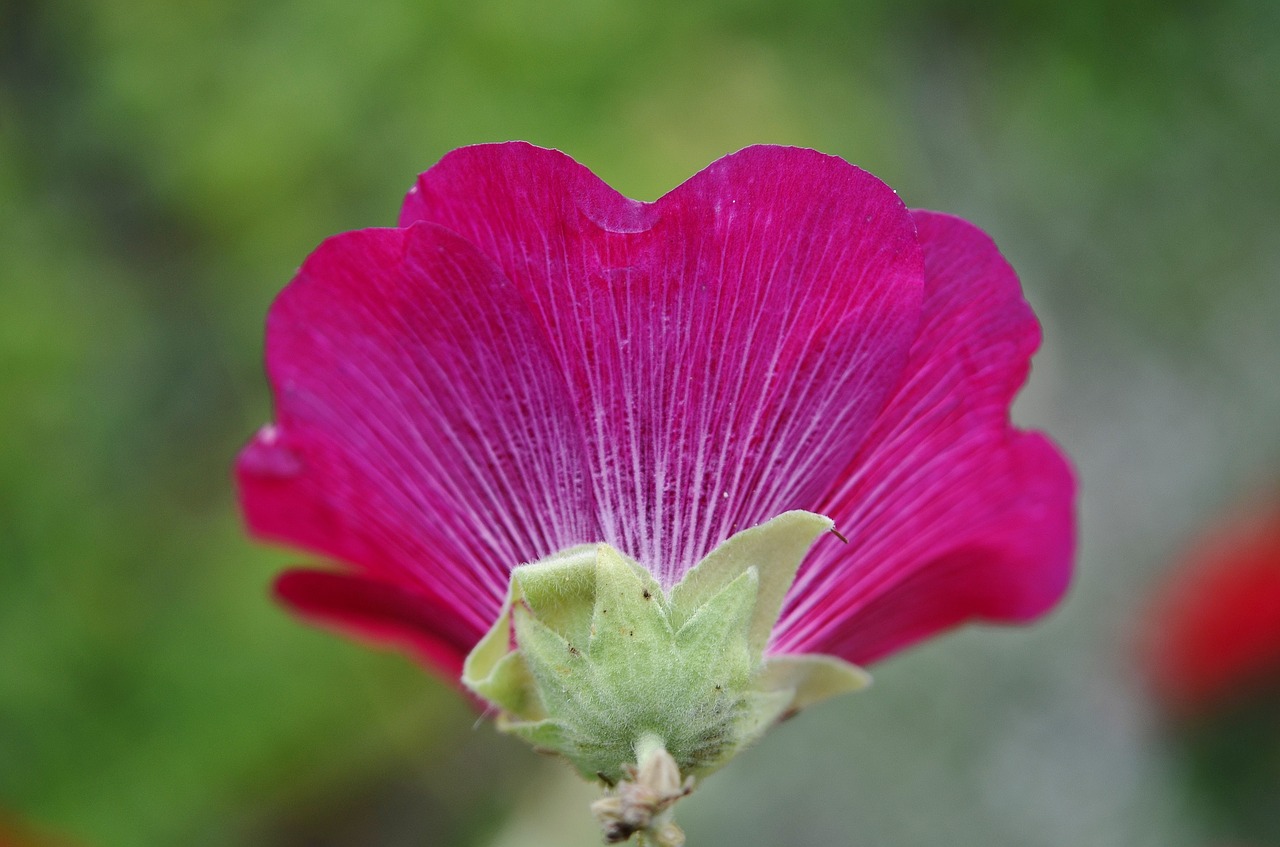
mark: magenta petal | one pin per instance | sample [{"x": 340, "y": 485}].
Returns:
[
  {"x": 951, "y": 514},
  {"x": 534, "y": 361},
  {"x": 376, "y": 611},
  {"x": 722, "y": 345},
  {"x": 423, "y": 431}
]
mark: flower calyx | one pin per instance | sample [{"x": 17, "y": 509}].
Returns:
[{"x": 591, "y": 660}]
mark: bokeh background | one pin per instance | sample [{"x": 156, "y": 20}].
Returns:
[{"x": 164, "y": 167}]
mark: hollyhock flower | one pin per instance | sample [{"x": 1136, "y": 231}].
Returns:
[{"x": 583, "y": 452}]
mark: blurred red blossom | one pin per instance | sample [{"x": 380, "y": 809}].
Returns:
[{"x": 1213, "y": 637}]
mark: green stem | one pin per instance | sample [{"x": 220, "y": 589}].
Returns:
[{"x": 648, "y": 745}]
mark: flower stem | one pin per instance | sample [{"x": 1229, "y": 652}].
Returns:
[
  {"x": 641, "y": 804},
  {"x": 649, "y": 745}
]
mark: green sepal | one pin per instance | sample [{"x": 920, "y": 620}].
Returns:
[
  {"x": 810, "y": 678},
  {"x": 557, "y": 589},
  {"x": 775, "y": 548},
  {"x": 604, "y": 658},
  {"x": 629, "y": 616},
  {"x": 546, "y": 736}
]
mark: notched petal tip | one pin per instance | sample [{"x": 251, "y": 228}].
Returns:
[{"x": 532, "y": 174}]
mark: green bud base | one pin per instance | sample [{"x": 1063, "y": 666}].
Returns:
[{"x": 604, "y": 660}]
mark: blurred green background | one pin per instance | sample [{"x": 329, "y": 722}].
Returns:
[{"x": 164, "y": 167}]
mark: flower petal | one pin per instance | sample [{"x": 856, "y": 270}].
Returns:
[
  {"x": 374, "y": 610},
  {"x": 423, "y": 431},
  {"x": 727, "y": 346},
  {"x": 951, "y": 514}
]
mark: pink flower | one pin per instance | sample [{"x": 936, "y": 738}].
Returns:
[{"x": 531, "y": 361}]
